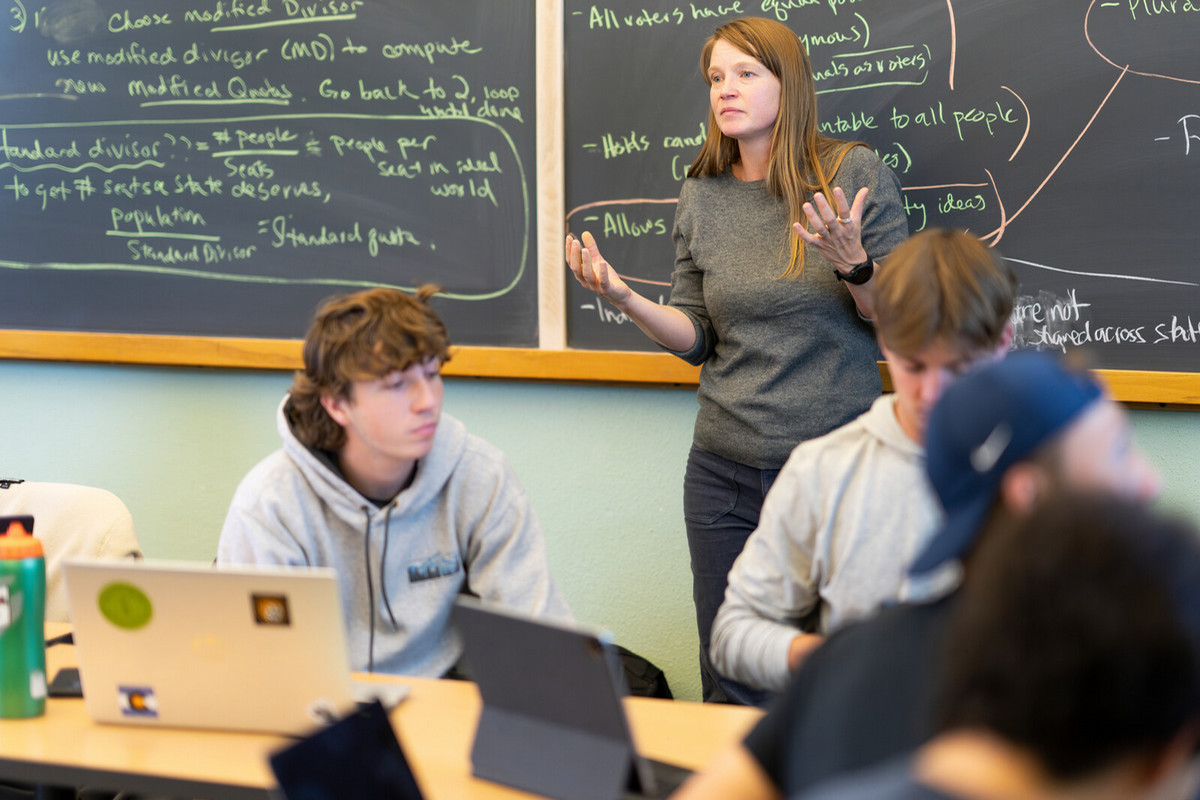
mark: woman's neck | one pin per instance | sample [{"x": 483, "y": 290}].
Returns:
[{"x": 752, "y": 163}]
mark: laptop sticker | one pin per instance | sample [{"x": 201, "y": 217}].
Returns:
[
  {"x": 125, "y": 606},
  {"x": 270, "y": 609},
  {"x": 137, "y": 701}
]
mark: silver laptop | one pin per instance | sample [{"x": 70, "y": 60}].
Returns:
[{"x": 186, "y": 645}]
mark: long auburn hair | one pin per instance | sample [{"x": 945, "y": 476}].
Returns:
[{"x": 802, "y": 160}]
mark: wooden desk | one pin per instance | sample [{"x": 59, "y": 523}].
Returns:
[{"x": 436, "y": 725}]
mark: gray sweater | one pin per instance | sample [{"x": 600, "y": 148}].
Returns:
[
  {"x": 784, "y": 360},
  {"x": 463, "y": 525}
]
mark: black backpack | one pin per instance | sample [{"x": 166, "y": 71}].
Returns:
[{"x": 643, "y": 678}]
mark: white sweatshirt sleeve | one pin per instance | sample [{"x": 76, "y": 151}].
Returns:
[{"x": 772, "y": 586}]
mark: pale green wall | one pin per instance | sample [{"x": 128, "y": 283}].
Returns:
[{"x": 604, "y": 466}]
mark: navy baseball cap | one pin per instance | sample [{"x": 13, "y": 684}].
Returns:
[{"x": 987, "y": 421}]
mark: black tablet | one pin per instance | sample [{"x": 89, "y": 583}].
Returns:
[
  {"x": 357, "y": 756},
  {"x": 553, "y": 722}
]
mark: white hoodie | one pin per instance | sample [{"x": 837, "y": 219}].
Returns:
[
  {"x": 464, "y": 525},
  {"x": 846, "y": 516}
]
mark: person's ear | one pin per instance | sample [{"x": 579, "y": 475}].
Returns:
[
  {"x": 1021, "y": 486},
  {"x": 1006, "y": 339},
  {"x": 335, "y": 407}
]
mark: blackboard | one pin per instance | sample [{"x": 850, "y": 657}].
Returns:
[
  {"x": 218, "y": 167},
  {"x": 1066, "y": 133}
]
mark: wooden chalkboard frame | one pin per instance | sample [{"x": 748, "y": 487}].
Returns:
[
  {"x": 1139, "y": 388},
  {"x": 551, "y": 361}
]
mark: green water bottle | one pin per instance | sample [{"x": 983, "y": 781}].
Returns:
[{"x": 22, "y": 624}]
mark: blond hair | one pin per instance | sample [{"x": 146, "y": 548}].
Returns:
[{"x": 943, "y": 285}]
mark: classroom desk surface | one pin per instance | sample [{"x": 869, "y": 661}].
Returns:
[{"x": 436, "y": 725}]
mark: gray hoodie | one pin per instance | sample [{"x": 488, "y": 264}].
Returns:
[{"x": 464, "y": 525}]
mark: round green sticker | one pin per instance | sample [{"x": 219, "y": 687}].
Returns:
[{"x": 125, "y": 605}]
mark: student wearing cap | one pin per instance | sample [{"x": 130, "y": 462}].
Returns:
[
  {"x": 851, "y": 509},
  {"x": 1074, "y": 665},
  {"x": 999, "y": 440}
]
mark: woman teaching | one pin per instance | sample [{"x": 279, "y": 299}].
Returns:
[{"x": 777, "y": 233}]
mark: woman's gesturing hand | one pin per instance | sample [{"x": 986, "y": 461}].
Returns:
[
  {"x": 835, "y": 231},
  {"x": 593, "y": 272}
]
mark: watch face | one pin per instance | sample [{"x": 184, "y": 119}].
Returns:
[{"x": 859, "y": 275}]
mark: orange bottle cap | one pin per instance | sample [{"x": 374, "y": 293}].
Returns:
[{"x": 19, "y": 543}]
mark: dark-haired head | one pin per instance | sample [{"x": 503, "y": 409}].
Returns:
[{"x": 1077, "y": 636}]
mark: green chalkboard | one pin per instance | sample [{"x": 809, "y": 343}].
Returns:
[
  {"x": 218, "y": 167},
  {"x": 1067, "y": 133}
]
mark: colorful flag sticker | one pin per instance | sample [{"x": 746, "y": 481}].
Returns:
[
  {"x": 137, "y": 701},
  {"x": 270, "y": 609}
]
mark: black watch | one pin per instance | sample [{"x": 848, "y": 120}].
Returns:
[{"x": 860, "y": 274}]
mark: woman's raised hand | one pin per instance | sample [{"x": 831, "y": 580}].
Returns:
[
  {"x": 593, "y": 272},
  {"x": 836, "y": 231}
]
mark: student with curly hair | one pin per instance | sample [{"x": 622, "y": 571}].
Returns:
[{"x": 376, "y": 482}]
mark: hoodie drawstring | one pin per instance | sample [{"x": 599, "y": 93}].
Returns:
[
  {"x": 387, "y": 522},
  {"x": 370, "y": 590}
]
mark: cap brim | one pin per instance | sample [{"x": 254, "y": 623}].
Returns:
[{"x": 955, "y": 537}]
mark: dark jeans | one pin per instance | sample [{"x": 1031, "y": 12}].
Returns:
[{"x": 721, "y": 503}]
